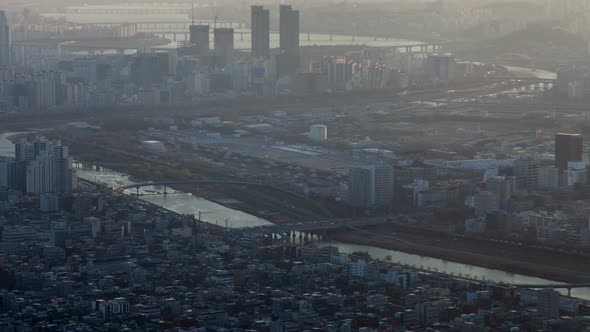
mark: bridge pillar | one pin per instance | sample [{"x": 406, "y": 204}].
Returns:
[
  {"x": 137, "y": 191},
  {"x": 174, "y": 36},
  {"x": 330, "y": 37},
  {"x": 308, "y": 36},
  {"x": 569, "y": 292},
  {"x": 408, "y": 49},
  {"x": 294, "y": 237},
  {"x": 300, "y": 237}
]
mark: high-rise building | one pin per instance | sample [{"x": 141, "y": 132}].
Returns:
[
  {"x": 568, "y": 147},
  {"x": 4, "y": 40},
  {"x": 39, "y": 167},
  {"x": 526, "y": 171},
  {"x": 260, "y": 31},
  {"x": 371, "y": 186},
  {"x": 12, "y": 175},
  {"x": 199, "y": 38},
  {"x": 441, "y": 67},
  {"x": 51, "y": 171},
  {"x": 223, "y": 40},
  {"x": 502, "y": 187},
  {"x": 288, "y": 61}
]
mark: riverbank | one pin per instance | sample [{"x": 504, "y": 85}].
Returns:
[{"x": 547, "y": 265}]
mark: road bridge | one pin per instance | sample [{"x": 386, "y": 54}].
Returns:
[
  {"x": 531, "y": 80},
  {"x": 305, "y": 230},
  {"x": 569, "y": 287}
]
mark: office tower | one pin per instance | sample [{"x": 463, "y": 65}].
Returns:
[
  {"x": 526, "y": 171},
  {"x": 199, "y": 37},
  {"x": 371, "y": 186},
  {"x": 260, "y": 31},
  {"x": 568, "y": 147},
  {"x": 223, "y": 40},
  {"x": 4, "y": 40},
  {"x": 288, "y": 61}
]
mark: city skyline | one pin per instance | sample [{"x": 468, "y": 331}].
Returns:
[{"x": 306, "y": 166}]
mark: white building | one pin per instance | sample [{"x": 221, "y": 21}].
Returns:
[
  {"x": 547, "y": 224},
  {"x": 318, "y": 133},
  {"x": 358, "y": 268},
  {"x": 49, "y": 167}
]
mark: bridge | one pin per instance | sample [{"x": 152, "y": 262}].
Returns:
[
  {"x": 569, "y": 287},
  {"x": 531, "y": 80},
  {"x": 315, "y": 227}
]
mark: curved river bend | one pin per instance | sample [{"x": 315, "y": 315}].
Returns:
[{"x": 218, "y": 214}]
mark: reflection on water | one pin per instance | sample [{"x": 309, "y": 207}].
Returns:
[
  {"x": 181, "y": 203},
  {"x": 218, "y": 214},
  {"x": 452, "y": 268}
]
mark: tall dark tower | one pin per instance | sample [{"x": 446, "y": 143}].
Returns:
[
  {"x": 288, "y": 62},
  {"x": 4, "y": 40},
  {"x": 260, "y": 31},
  {"x": 223, "y": 39},
  {"x": 568, "y": 147},
  {"x": 199, "y": 37}
]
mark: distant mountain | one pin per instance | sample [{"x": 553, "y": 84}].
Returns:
[{"x": 537, "y": 36}]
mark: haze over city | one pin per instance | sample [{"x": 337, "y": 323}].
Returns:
[{"x": 278, "y": 166}]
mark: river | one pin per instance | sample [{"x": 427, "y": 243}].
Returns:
[{"x": 218, "y": 214}]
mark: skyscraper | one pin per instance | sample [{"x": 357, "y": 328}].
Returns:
[
  {"x": 223, "y": 40},
  {"x": 199, "y": 37},
  {"x": 288, "y": 61},
  {"x": 371, "y": 186},
  {"x": 568, "y": 147},
  {"x": 260, "y": 31},
  {"x": 4, "y": 40}
]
